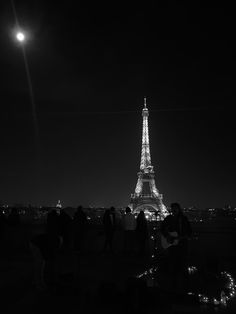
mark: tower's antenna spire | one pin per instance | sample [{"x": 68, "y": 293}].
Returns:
[{"x": 145, "y": 102}]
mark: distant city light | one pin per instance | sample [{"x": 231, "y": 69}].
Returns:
[{"x": 59, "y": 205}]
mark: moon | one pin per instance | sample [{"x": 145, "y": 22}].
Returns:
[{"x": 20, "y": 36}]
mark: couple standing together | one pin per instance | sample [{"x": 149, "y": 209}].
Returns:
[{"x": 135, "y": 231}]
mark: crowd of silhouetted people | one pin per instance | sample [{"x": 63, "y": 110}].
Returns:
[
  {"x": 63, "y": 233},
  {"x": 66, "y": 233}
]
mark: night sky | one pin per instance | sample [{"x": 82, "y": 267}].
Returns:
[{"x": 91, "y": 65}]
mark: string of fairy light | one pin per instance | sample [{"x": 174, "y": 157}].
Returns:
[
  {"x": 154, "y": 239},
  {"x": 227, "y": 291}
]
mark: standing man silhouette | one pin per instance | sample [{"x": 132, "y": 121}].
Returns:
[
  {"x": 175, "y": 231},
  {"x": 129, "y": 226},
  {"x": 109, "y": 223}
]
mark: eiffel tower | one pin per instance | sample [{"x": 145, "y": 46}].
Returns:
[{"x": 146, "y": 196}]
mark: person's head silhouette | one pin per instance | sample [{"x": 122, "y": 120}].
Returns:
[
  {"x": 112, "y": 209},
  {"x": 141, "y": 214},
  {"x": 127, "y": 210},
  {"x": 176, "y": 209},
  {"x": 79, "y": 208}
]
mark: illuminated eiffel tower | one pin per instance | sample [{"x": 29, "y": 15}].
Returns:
[{"x": 146, "y": 196}]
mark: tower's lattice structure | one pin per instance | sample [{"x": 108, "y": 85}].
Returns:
[{"x": 146, "y": 196}]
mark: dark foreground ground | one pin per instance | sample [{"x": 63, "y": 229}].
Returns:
[{"x": 94, "y": 282}]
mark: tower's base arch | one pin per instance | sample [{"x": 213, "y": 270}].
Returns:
[{"x": 153, "y": 208}]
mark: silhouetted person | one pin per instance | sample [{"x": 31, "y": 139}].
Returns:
[
  {"x": 142, "y": 232},
  {"x": 65, "y": 224},
  {"x": 109, "y": 223},
  {"x": 39, "y": 249},
  {"x": 52, "y": 223},
  {"x": 3, "y": 222},
  {"x": 176, "y": 230},
  {"x": 44, "y": 248},
  {"x": 14, "y": 217},
  {"x": 80, "y": 224},
  {"x": 129, "y": 226}
]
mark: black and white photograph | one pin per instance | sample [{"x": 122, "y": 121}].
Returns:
[{"x": 117, "y": 157}]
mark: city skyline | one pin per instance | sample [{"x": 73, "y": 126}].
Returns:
[{"x": 90, "y": 72}]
